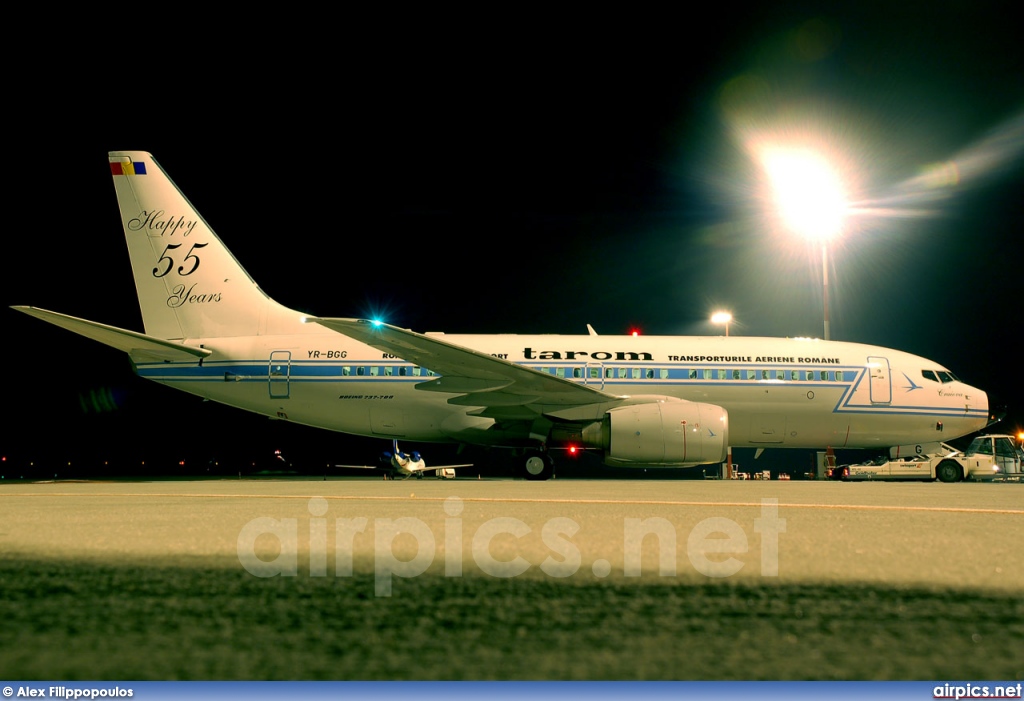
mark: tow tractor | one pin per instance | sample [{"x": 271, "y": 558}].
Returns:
[{"x": 988, "y": 458}]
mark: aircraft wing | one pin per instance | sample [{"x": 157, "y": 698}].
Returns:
[
  {"x": 434, "y": 468},
  {"x": 425, "y": 468},
  {"x": 504, "y": 390}
]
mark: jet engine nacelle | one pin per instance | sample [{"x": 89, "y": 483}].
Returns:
[{"x": 664, "y": 432}]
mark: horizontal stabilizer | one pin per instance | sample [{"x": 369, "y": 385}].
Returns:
[{"x": 138, "y": 345}]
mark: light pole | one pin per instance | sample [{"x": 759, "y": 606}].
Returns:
[
  {"x": 810, "y": 199},
  {"x": 824, "y": 283},
  {"x": 725, "y": 318},
  {"x": 722, "y": 318}
]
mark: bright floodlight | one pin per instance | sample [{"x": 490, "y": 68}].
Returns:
[
  {"x": 809, "y": 195},
  {"x": 722, "y": 318},
  {"x": 810, "y": 198}
]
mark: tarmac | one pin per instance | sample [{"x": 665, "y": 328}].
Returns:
[{"x": 661, "y": 563}]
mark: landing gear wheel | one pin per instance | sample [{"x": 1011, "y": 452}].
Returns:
[
  {"x": 538, "y": 466},
  {"x": 948, "y": 471}
]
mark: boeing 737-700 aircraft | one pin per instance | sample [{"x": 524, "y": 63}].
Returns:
[{"x": 641, "y": 401}]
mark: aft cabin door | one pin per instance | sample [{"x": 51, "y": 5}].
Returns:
[
  {"x": 881, "y": 383},
  {"x": 279, "y": 374}
]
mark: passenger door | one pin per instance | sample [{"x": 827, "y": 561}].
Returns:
[
  {"x": 881, "y": 382},
  {"x": 279, "y": 371}
]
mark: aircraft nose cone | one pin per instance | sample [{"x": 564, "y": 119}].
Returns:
[{"x": 996, "y": 410}]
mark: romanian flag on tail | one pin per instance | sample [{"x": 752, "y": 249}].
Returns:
[{"x": 129, "y": 168}]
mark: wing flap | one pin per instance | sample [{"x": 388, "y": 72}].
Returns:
[
  {"x": 506, "y": 414},
  {"x": 452, "y": 385},
  {"x": 494, "y": 399}
]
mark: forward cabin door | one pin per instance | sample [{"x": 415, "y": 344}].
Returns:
[{"x": 881, "y": 380}]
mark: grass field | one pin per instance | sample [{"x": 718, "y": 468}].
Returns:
[{"x": 202, "y": 621}]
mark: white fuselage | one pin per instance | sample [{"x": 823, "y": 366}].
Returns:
[{"x": 797, "y": 393}]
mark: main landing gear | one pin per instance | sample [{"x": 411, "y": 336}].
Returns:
[{"x": 538, "y": 465}]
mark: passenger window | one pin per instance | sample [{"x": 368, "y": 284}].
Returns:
[
  {"x": 693, "y": 374},
  {"x": 361, "y": 370},
  {"x": 346, "y": 370},
  {"x": 663, "y": 373},
  {"x": 751, "y": 374},
  {"x": 637, "y": 373},
  {"x": 735, "y": 374},
  {"x": 577, "y": 373},
  {"x": 709, "y": 374},
  {"x": 764, "y": 374}
]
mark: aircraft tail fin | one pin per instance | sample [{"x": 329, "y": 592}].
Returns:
[{"x": 189, "y": 284}]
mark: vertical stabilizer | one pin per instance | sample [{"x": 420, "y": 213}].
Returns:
[{"x": 189, "y": 284}]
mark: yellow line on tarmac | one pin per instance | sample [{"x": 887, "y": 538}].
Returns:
[{"x": 512, "y": 500}]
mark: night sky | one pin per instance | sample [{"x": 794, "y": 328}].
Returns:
[{"x": 523, "y": 174}]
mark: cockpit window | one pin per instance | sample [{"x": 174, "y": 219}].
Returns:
[{"x": 942, "y": 376}]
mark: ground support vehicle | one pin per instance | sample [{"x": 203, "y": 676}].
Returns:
[{"x": 988, "y": 458}]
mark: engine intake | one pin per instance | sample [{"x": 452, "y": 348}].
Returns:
[{"x": 665, "y": 432}]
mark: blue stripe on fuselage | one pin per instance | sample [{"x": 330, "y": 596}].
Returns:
[{"x": 319, "y": 371}]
